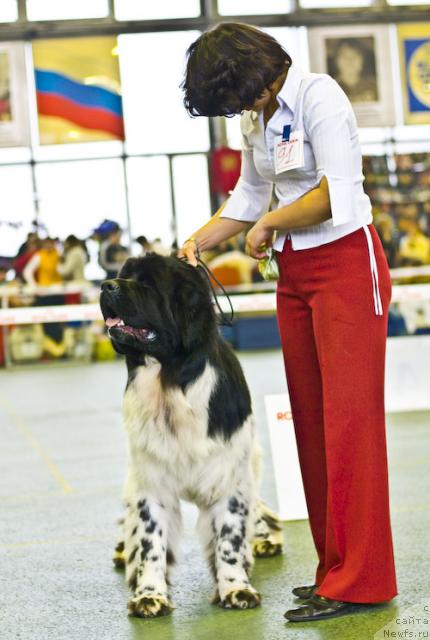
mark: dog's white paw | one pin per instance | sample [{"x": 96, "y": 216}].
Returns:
[
  {"x": 149, "y": 606},
  {"x": 266, "y": 548},
  {"x": 246, "y": 598}
]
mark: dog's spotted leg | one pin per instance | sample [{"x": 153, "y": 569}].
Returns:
[
  {"x": 268, "y": 534},
  {"x": 147, "y": 557},
  {"x": 226, "y": 529}
]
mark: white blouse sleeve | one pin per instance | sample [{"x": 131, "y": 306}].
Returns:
[
  {"x": 251, "y": 197},
  {"x": 331, "y": 126}
]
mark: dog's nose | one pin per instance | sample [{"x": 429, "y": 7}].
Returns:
[{"x": 110, "y": 285}]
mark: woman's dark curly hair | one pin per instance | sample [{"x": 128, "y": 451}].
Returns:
[{"x": 229, "y": 67}]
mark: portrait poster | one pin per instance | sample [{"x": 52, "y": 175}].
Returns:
[
  {"x": 414, "y": 53},
  {"x": 358, "y": 58},
  {"x": 14, "y": 116}
]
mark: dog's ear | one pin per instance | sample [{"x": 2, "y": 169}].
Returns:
[
  {"x": 194, "y": 310},
  {"x": 127, "y": 268}
]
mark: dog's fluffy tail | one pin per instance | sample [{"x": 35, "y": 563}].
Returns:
[{"x": 269, "y": 533}]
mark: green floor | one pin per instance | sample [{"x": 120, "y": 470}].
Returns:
[{"x": 62, "y": 458}]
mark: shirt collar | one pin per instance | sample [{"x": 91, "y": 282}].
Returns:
[{"x": 290, "y": 88}]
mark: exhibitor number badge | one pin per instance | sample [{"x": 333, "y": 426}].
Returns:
[{"x": 289, "y": 153}]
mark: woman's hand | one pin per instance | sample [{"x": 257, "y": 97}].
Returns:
[
  {"x": 190, "y": 251},
  {"x": 258, "y": 239}
]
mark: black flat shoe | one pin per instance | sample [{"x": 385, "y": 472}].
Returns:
[
  {"x": 320, "y": 608},
  {"x": 304, "y": 592}
]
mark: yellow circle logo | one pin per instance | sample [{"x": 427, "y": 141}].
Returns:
[{"x": 419, "y": 73}]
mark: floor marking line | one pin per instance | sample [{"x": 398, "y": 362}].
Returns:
[
  {"x": 34, "y": 543},
  {"x": 26, "y": 432}
]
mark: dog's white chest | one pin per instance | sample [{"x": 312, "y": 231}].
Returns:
[
  {"x": 169, "y": 442},
  {"x": 167, "y": 423}
]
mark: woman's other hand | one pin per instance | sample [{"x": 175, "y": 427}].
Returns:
[
  {"x": 190, "y": 251},
  {"x": 258, "y": 239}
]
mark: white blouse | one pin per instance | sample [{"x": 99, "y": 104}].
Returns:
[{"x": 315, "y": 104}]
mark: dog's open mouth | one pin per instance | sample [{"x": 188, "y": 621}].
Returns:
[{"x": 142, "y": 333}]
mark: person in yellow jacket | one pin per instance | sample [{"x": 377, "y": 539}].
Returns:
[
  {"x": 42, "y": 270},
  {"x": 414, "y": 249}
]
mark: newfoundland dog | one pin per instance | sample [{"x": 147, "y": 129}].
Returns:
[{"x": 191, "y": 436}]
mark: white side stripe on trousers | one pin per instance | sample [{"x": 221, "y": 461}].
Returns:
[{"x": 374, "y": 272}]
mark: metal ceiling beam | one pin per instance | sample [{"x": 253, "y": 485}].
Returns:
[
  {"x": 22, "y": 11},
  {"x": 25, "y": 30}
]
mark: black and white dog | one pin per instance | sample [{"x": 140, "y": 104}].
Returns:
[{"x": 191, "y": 435}]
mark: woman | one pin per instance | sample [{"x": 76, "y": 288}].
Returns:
[
  {"x": 332, "y": 300},
  {"x": 43, "y": 270},
  {"x": 74, "y": 259}
]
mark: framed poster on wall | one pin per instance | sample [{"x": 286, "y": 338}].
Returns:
[
  {"x": 14, "y": 116},
  {"x": 414, "y": 53},
  {"x": 359, "y": 59}
]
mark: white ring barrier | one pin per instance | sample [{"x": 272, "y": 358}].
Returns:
[
  {"x": 57, "y": 313},
  {"x": 243, "y": 304}
]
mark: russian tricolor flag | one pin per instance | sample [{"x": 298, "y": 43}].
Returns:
[{"x": 87, "y": 106}]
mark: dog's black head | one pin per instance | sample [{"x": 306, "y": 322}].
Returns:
[{"x": 158, "y": 306}]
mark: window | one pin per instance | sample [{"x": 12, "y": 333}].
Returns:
[
  {"x": 8, "y": 11},
  {"x": 151, "y": 67},
  {"x": 66, "y": 9},
  {"x": 191, "y": 186},
  {"x": 78, "y": 151},
  {"x": 17, "y": 207},
  {"x": 323, "y": 4},
  {"x": 295, "y": 42},
  {"x": 75, "y": 197},
  {"x": 150, "y": 200},
  {"x": 409, "y": 2},
  {"x": 11, "y": 155},
  {"x": 141, "y": 10},
  {"x": 253, "y": 7}
]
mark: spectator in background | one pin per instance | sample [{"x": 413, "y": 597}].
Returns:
[
  {"x": 3, "y": 273},
  {"x": 13, "y": 300},
  {"x": 42, "y": 268},
  {"x": 232, "y": 266},
  {"x": 146, "y": 246},
  {"x": 32, "y": 237},
  {"x": 158, "y": 247},
  {"x": 152, "y": 247},
  {"x": 384, "y": 224},
  {"x": 112, "y": 253},
  {"x": 414, "y": 249},
  {"x": 25, "y": 253},
  {"x": 73, "y": 260}
]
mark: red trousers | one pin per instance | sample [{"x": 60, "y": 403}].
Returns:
[{"x": 332, "y": 317}]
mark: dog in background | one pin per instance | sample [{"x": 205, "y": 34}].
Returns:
[{"x": 191, "y": 435}]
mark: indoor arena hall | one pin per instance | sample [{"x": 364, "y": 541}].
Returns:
[{"x": 214, "y": 319}]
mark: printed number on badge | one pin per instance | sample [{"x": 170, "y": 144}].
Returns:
[{"x": 289, "y": 153}]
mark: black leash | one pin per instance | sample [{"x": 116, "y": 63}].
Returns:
[{"x": 223, "y": 319}]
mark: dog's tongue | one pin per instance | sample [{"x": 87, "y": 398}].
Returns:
[{"x": 112, "y": 322}]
